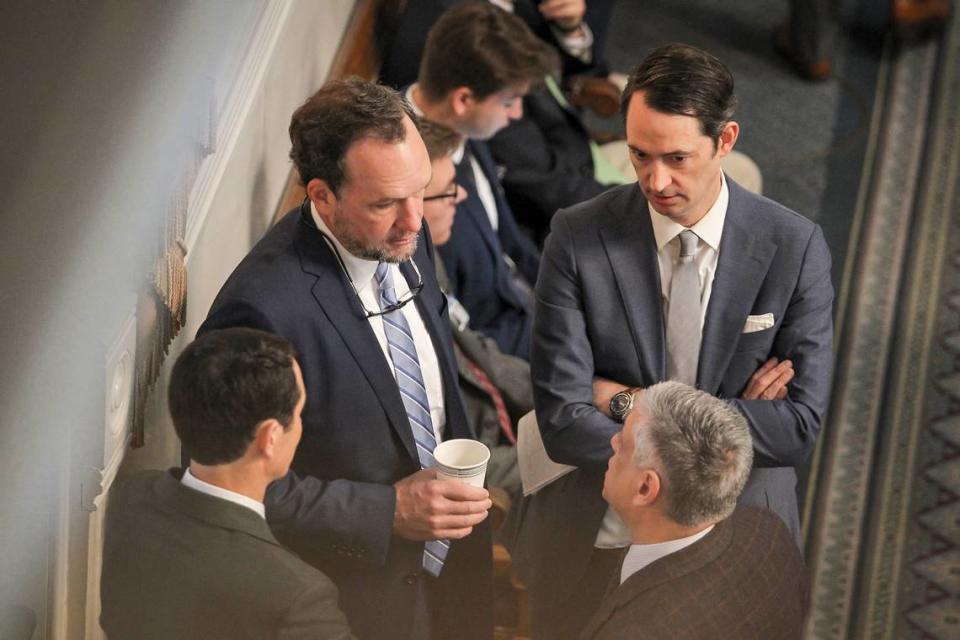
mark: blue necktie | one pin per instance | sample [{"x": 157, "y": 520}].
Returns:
[{"x": 403, "y": 353}]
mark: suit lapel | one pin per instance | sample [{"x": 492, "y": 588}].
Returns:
[
  {"x": 741, "y": 269},
  {"x": 489, "y": 168},
  {"x": 338, "y": 301},
  {"x": 472, "y": 206},
  {"x": 628, "y": 240}
]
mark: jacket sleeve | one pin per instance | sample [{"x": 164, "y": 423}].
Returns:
[
  {"x": 561, "y": 363},
  {"x": 785, "y": 431}
]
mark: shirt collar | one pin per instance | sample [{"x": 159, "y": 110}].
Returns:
[
  {"x": 457, "y": 154},
  {"x": 361, "y": 270},
  {"x": 193, "y": 482},
  {"x": 709, "y": 229},
  {"x": 641, "y": 555}
]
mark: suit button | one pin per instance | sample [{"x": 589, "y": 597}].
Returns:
[{"x": 411, "y": 578}]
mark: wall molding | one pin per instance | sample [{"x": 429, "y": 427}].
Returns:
[{"x": 226, "y": 129}]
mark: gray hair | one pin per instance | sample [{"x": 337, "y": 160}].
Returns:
[{"x": 699, "y": 445}]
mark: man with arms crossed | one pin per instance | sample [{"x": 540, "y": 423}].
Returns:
[
  {"x": 683, "y": 276},
  {"x": 348, "y": 279},
  {"x": 698, "y": 566},
  {"x": 188, "y": 553}
]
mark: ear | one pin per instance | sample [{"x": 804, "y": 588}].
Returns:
[
  {"x": 647, "y": 488},
  {"x": 267, "y": 436},
  {"x": 728, "y": 138},
  {"x": 461, "y": 101},
  {"x": 322, "y": 196}
]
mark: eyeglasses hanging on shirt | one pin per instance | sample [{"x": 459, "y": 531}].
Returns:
[{"x": 400, "y": 303}]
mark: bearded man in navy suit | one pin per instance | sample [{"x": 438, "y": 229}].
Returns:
[{"x": 348, "y": 279}]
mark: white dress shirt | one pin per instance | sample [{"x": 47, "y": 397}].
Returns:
[
  {"x": 193, "y": 482},
  {"x": 613, "y": 532},
  {"x": 640, "y": 555},
  {"x": 484, "y": 188},
  {"x": 362, "y": 273}
]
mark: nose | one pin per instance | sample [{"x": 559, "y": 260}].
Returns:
[
  {"x": 516, "y": 110},
  {"x": 461, "y": 194},
  {"x": 659, "y": 177},
  {"x": 410, "y": 215}
]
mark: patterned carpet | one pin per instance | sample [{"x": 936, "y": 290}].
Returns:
[{"x": 883, "y": 526}]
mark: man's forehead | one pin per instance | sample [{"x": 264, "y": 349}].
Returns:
[{"x": 373, "y": 160}]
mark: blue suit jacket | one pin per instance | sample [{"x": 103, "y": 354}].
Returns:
[
  {"x": 356, "y": 439},
  {"x": 599, "y": 314},
  {"x": 474, "y": 259}
]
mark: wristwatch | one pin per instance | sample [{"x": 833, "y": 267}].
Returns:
[{"x": 621, "y": 403}]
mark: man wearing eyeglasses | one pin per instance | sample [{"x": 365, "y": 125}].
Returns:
[
  {"x": 348, "y": 279},
  {"x": 495, "y": 386}
]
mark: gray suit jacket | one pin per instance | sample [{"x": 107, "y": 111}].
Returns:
[
  {"x": 599, "y": 314},
  {"x": 178, "y": 563},
  {"x": 744, "y": 580}
]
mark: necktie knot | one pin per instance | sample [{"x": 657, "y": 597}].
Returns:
[
  {"x": 688, "y": 244},
  {"x": 385, "y": 282}
]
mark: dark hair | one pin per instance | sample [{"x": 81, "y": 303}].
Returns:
[
  {"x": 439, "y": 139},
  {"x": 336, "y": 116},
  {"x": 484, "y": 48},
  {"x": 683, "y": 80},
  {"x": 224, "y": 384}
]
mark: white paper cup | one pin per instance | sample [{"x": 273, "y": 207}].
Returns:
[{"x": 463, "y": 460}]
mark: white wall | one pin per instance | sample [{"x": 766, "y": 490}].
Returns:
[{"x": 106, "y": 108}]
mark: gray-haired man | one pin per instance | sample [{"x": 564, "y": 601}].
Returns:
[{"x": 698, "y": 566}]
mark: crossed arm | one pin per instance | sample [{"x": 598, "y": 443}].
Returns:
[{"x": 783, "y": 401}]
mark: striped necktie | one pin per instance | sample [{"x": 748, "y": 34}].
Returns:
[{"x": 413, "y": 392}]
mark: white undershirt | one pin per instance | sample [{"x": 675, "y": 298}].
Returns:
[
  {"x": 640, "y": 555},
  {"x": 484, "y": 189},
  {"x": 613, "y": 532},
  {"x": 193, "y": 482},
  {"x": 362, "y": 273}
]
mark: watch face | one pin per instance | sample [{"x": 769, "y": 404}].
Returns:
[{"x": 620, "y": 403}]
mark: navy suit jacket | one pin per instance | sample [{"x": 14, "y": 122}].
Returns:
[
  {"x": 599, "y": 313},
  {"x": 356, "y": 439},
  {"x": 475, "y": 261},
  {"x": 548, "y": 161}
]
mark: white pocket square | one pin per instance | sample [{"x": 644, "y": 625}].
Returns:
[{"x": 758, "y": 323}]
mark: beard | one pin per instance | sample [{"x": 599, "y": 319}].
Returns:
[{"x": 381, "y": 252}]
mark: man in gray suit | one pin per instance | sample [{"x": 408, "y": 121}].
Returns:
[
  {"x": 698, "y": 565},
  {"x": 683, "y": 276},
  {"x": 188, "y": 553}
]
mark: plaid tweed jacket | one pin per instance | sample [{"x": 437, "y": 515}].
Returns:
[{"x": 743, "y": 580}]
